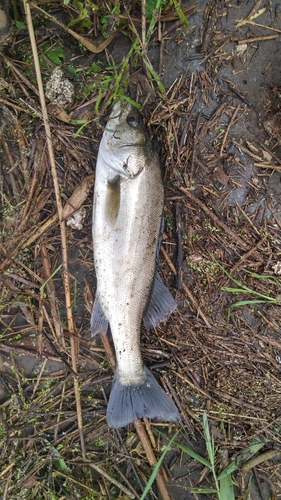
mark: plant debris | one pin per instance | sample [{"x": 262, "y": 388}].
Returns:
[{"x": 206, "y": 79}]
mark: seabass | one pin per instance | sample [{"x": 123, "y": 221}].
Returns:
[{"x": 128, "y": 205}]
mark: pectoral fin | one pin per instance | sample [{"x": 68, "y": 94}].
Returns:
[
  {"x": 112, "y": 206},
  {"x": 161, "y": 304},
  {"x": 99, "y": 323}
]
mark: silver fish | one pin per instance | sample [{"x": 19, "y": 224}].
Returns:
[{"x": 128, "y": 205}]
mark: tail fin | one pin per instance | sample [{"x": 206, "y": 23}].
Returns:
[{"x": 127, "y": 403}]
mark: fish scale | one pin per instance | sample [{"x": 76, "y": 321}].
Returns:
[{"x": 128, "y": 205}]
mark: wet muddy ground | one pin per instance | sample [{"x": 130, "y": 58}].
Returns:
[{"x": 218, "y": 133}]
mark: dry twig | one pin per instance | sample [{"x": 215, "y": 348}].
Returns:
[
  {"x": 187, "y": 291},
  {"x": 70, "y": 321}
]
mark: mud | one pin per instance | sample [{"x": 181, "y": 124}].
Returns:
[{"x": 250, "y": 79}]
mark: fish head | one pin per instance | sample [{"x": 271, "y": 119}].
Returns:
[{"x": 125, "y": 142}]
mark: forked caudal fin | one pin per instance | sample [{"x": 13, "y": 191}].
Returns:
[{"x": 127, "y": 403}]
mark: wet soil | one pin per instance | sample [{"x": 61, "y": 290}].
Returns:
[{"x": 223, "y": 202}]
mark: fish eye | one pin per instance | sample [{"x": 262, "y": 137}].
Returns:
[{"x": 133, "y": 120}]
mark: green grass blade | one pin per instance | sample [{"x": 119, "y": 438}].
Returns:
[
  {"x": 50, "y": 277},
  {"x": 247, "y": 302},
  {"x": 245, "y": 289},
  {"x": 263, "y": 276},
  {"x": 226, "y": 488},
  {"x": 194, "y": 455},
  {"x": 84, "y": 124},
  {"x": 157, "y": 467},
  {"x": 248, "y": 488},
  {"x": 203, "y": 490},
  {"x": 59, "y": 464},
  {"x": 153, "y": 16},
  {"x": 128, "y": 99},
  {"x": 155, "y": 77},
  {"x": 188, "y": 451},
  {"x": 232, "y": 290},
  {"x": 254, "y": 447},
  {"x": 210, "y": 445},
  {"x": 181, "y": 14},
  {"x": 227, "y": 274}
]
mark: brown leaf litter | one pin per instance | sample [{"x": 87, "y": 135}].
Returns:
[{"x": 218, "y": 358}]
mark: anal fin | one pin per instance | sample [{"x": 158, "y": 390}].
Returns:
[{"x": 161, "y": 304}]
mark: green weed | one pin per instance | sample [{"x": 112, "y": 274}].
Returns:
[
  {"x": 223, "y": 484},
  {"x": 180, "y": 13},
  {"x": 54, "y": 53},
  {"x": 50, "y": 277},
  {"x": 241, "y": 288},
  {"x": 157, "y": 467}
]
